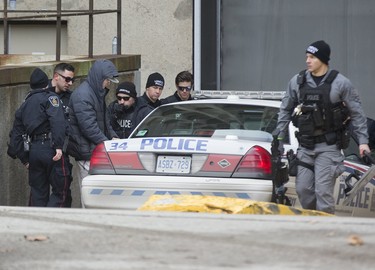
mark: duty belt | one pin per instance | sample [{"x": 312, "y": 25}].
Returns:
[{"x": 41, "y": 137}]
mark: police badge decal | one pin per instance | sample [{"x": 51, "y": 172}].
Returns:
[{"x": 54, "y": 101}]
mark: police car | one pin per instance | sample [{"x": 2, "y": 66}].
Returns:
[{"x": 213, "y": 146}]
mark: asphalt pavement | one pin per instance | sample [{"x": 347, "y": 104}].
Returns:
[{"x": 48, "y": 238}]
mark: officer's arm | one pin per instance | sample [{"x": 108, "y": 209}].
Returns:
[
  {"x": 56, "y": 118},
  {"x": 288, "y": 104},
  {"x": 350, "y": 96}
]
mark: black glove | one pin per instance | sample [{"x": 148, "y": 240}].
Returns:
[{"x": 368, "y": 159}]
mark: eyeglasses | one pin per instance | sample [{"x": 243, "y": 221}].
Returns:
[
  {"x": 182, "y": 88},
  {"x": 67, "y": 79},
  {"x": 124, "y": 98}
]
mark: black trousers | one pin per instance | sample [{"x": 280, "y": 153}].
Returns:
[{"x": 49, "y": 180}]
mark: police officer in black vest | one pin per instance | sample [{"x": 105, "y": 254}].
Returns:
[
  {"x": 126, "y": 112},
  {"x": 44, "y": 124},
  {"x": 122, "y": 110},
  {"x": 321, "y": 102}
]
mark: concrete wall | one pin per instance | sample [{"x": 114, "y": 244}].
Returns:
[
  {"x": 159, "y": 30},
  {"x": 14, "y": 85}
]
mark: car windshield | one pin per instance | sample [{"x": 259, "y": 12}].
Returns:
[{"x": 210, "y": 120}]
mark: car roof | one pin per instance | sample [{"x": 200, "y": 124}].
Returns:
[{"x": 232, "y": 100}]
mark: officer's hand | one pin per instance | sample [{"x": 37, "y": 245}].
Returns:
[
  {"x": 58, "y": 155},
  {"x": 363, "y": 148}
]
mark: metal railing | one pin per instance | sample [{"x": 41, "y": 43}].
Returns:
[{"x": 59, "y": 13}]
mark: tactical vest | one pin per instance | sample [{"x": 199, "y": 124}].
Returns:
[{"x": 317, "y": 115}]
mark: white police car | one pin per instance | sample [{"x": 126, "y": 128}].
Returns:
[{"x": 215, "y": 147}]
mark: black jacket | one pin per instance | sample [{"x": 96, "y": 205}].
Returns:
[
  {"x": 145, "y": 100},
  {"x": 122, "y": 120},
  {"x": 64, "y": 97},
  {"x": 124, "y": 123},
  {"x": 40, "y": 113},
  {"x": 173, "y": 98}
]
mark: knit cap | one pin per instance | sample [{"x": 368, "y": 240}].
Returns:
[
  {"x": 127, "y": 88},
  {"x": 155, "y": 79},
  {"x": 38, "y": 79},
  {"x": 321, "y": 50}
]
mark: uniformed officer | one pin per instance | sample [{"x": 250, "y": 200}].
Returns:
[
  {"x": 184, "y": 84},
  {"x": 62, "y": 81},
  {"x": 320, "y": 102},
  {"x": 154, "y": 88},
  {"x": 44, "y": 124},
  {"x": 122, "y": 110}
]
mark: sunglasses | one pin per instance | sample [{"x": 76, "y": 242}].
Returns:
[
  {"x": 124, "y": 98},
  {"x": 67, "y": 79},
  {"x": 182, "y": 88}
]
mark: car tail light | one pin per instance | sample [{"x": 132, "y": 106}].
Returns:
[
  {"x": 256, "y": 163},
  {"x": 100, "y": 162}
]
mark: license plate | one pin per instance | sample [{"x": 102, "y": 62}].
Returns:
[{"x": 173, "y": 164}]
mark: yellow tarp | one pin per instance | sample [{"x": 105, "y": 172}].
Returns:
[{"x": 216, "y": 204}]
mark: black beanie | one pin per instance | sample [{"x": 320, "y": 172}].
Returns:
[
  {"x": 321, "y": 50},
  {"x": 38, "y": 79},
  {"x": 127, "y": 88},
  {"x": 155, "y": 79}
]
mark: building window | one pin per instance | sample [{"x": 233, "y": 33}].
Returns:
[{"x": 34, "y": 37}]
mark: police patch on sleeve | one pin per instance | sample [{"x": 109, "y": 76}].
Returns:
[{"x": 54, "y": 101}]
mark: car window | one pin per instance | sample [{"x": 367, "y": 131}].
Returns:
[{"x": 207, "y": 120}]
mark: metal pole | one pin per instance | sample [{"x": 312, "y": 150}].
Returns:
[
  {"x": 197, "y": 44},
  {"x": 6, "y": 28},
  {"x": 58, "y": 31},
  {"x": 91, "y": 27},
  {"x": 118, "y": 27},
  {"x": 218, "y": 45}
]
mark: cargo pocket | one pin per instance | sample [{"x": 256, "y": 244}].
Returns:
[{"x": 338, "y": 168}]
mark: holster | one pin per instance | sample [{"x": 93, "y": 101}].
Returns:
[
  {"x": 331, "y": 138},
  {"x": 293, "y": 163},
  {"x": 26, "y": 142},
  {"x": 343, "y": 138}
]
